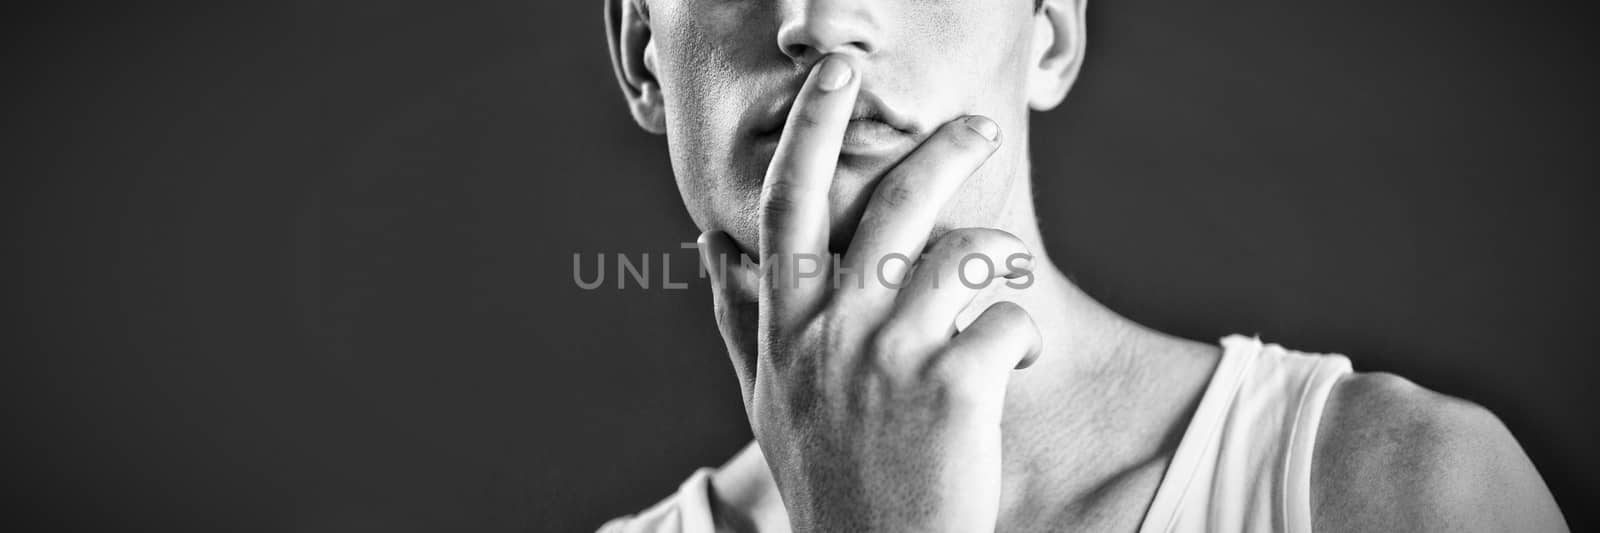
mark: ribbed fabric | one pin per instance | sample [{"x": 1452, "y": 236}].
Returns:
[{"x": 1243, "y": 465}]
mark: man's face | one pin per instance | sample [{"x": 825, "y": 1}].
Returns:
[{"x": 728, "y": 69}]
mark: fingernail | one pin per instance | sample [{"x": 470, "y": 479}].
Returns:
[
  {"x": 985, "y": 127},
  {"x": 833, "y": 74}
]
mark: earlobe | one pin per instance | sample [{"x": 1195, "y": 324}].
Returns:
[
  {"x": 1059, "y": 43},
  {"x": 633, "y": 59}
]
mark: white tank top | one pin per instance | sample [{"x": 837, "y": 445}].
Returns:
[{"x": 1244, "y": 463}]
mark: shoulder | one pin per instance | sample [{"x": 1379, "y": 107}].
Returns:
[{"x": 1393, "y": 456}]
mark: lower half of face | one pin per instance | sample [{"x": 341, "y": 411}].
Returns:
[
  {"x": 731, "y": 201},
  {"x": 724, "y": 82}
]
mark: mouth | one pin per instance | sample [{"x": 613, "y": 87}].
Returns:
[{"x": 875, "y": 129}]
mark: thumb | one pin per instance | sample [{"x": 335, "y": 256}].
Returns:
[{"x": 734, "y": 283}]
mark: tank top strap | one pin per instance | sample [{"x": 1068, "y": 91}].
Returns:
[
  {"x": 686, "y": 511},
  {"x": 1324, "y": 373},
  {"x": 1244, "y": 462}
]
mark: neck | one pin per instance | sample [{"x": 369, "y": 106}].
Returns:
[{"x": 1107, "y": 398}]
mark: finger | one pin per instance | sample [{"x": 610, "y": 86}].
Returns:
[
  {"x": 794, "y": 196},
  {"x": 905, "y": 204},
  {"x": 957, "y": 266},
  {"x": 1003, "y": 338},
  {"x": 733, "y": 298}
]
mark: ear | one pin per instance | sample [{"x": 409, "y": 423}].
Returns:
[
  {"x": 633, "y": 56},
  {"x": 1058, "y": 45}
]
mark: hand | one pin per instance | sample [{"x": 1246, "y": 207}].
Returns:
[{"x": 873, "y": 411}]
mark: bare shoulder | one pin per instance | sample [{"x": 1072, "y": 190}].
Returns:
[{"x": 1393, "y": 456}]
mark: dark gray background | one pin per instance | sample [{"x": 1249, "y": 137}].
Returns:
[{"x": 308, "y": 267}]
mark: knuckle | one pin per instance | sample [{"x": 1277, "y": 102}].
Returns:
[
  {"x": 947, "y": 368},
  {"x": 957, "y": 245},
  {"x": 805, "y": 118},
  {"x": 956, "y": 381},
  {"x": 894, "y": 193},
  {"x": 962, "y": 239},
  {"x": 891, "y": 342},
  {"x": 775, "y": 189},
  {"x": 987, "y": 240},
  {"x": 893, "y": 350},
  {"x": 962, "y": 382},
  {"x": 777, "y": 199}
]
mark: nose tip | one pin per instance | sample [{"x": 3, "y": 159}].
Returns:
[{"x": 816, "y": 28}]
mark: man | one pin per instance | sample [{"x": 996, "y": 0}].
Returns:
[{"x": 847, "y": 160}]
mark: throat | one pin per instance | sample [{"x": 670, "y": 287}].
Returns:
[{"x": 1090, "y": 429}]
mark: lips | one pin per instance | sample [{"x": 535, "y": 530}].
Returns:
[{"x": 875, "y": 128}]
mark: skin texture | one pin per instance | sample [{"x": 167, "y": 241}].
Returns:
[
  {"x": 874, "y": 417},
  {"x": 719, "y": 67},
  {"x": 896, "y": 408},
  {"x": 1403, "y": 458}
]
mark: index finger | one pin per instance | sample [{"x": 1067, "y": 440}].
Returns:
[{"x": 794, "y": 196}]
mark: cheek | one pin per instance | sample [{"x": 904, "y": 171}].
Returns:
[
  {"x": 973, "y": 38},
  {"x": 941, "y": 25},
  {"x": 698, "y": 65},
  {"x": 980, "y": 63},
  {"x": 707, "y": 52},
  {"x": 694, "y": 78}
]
